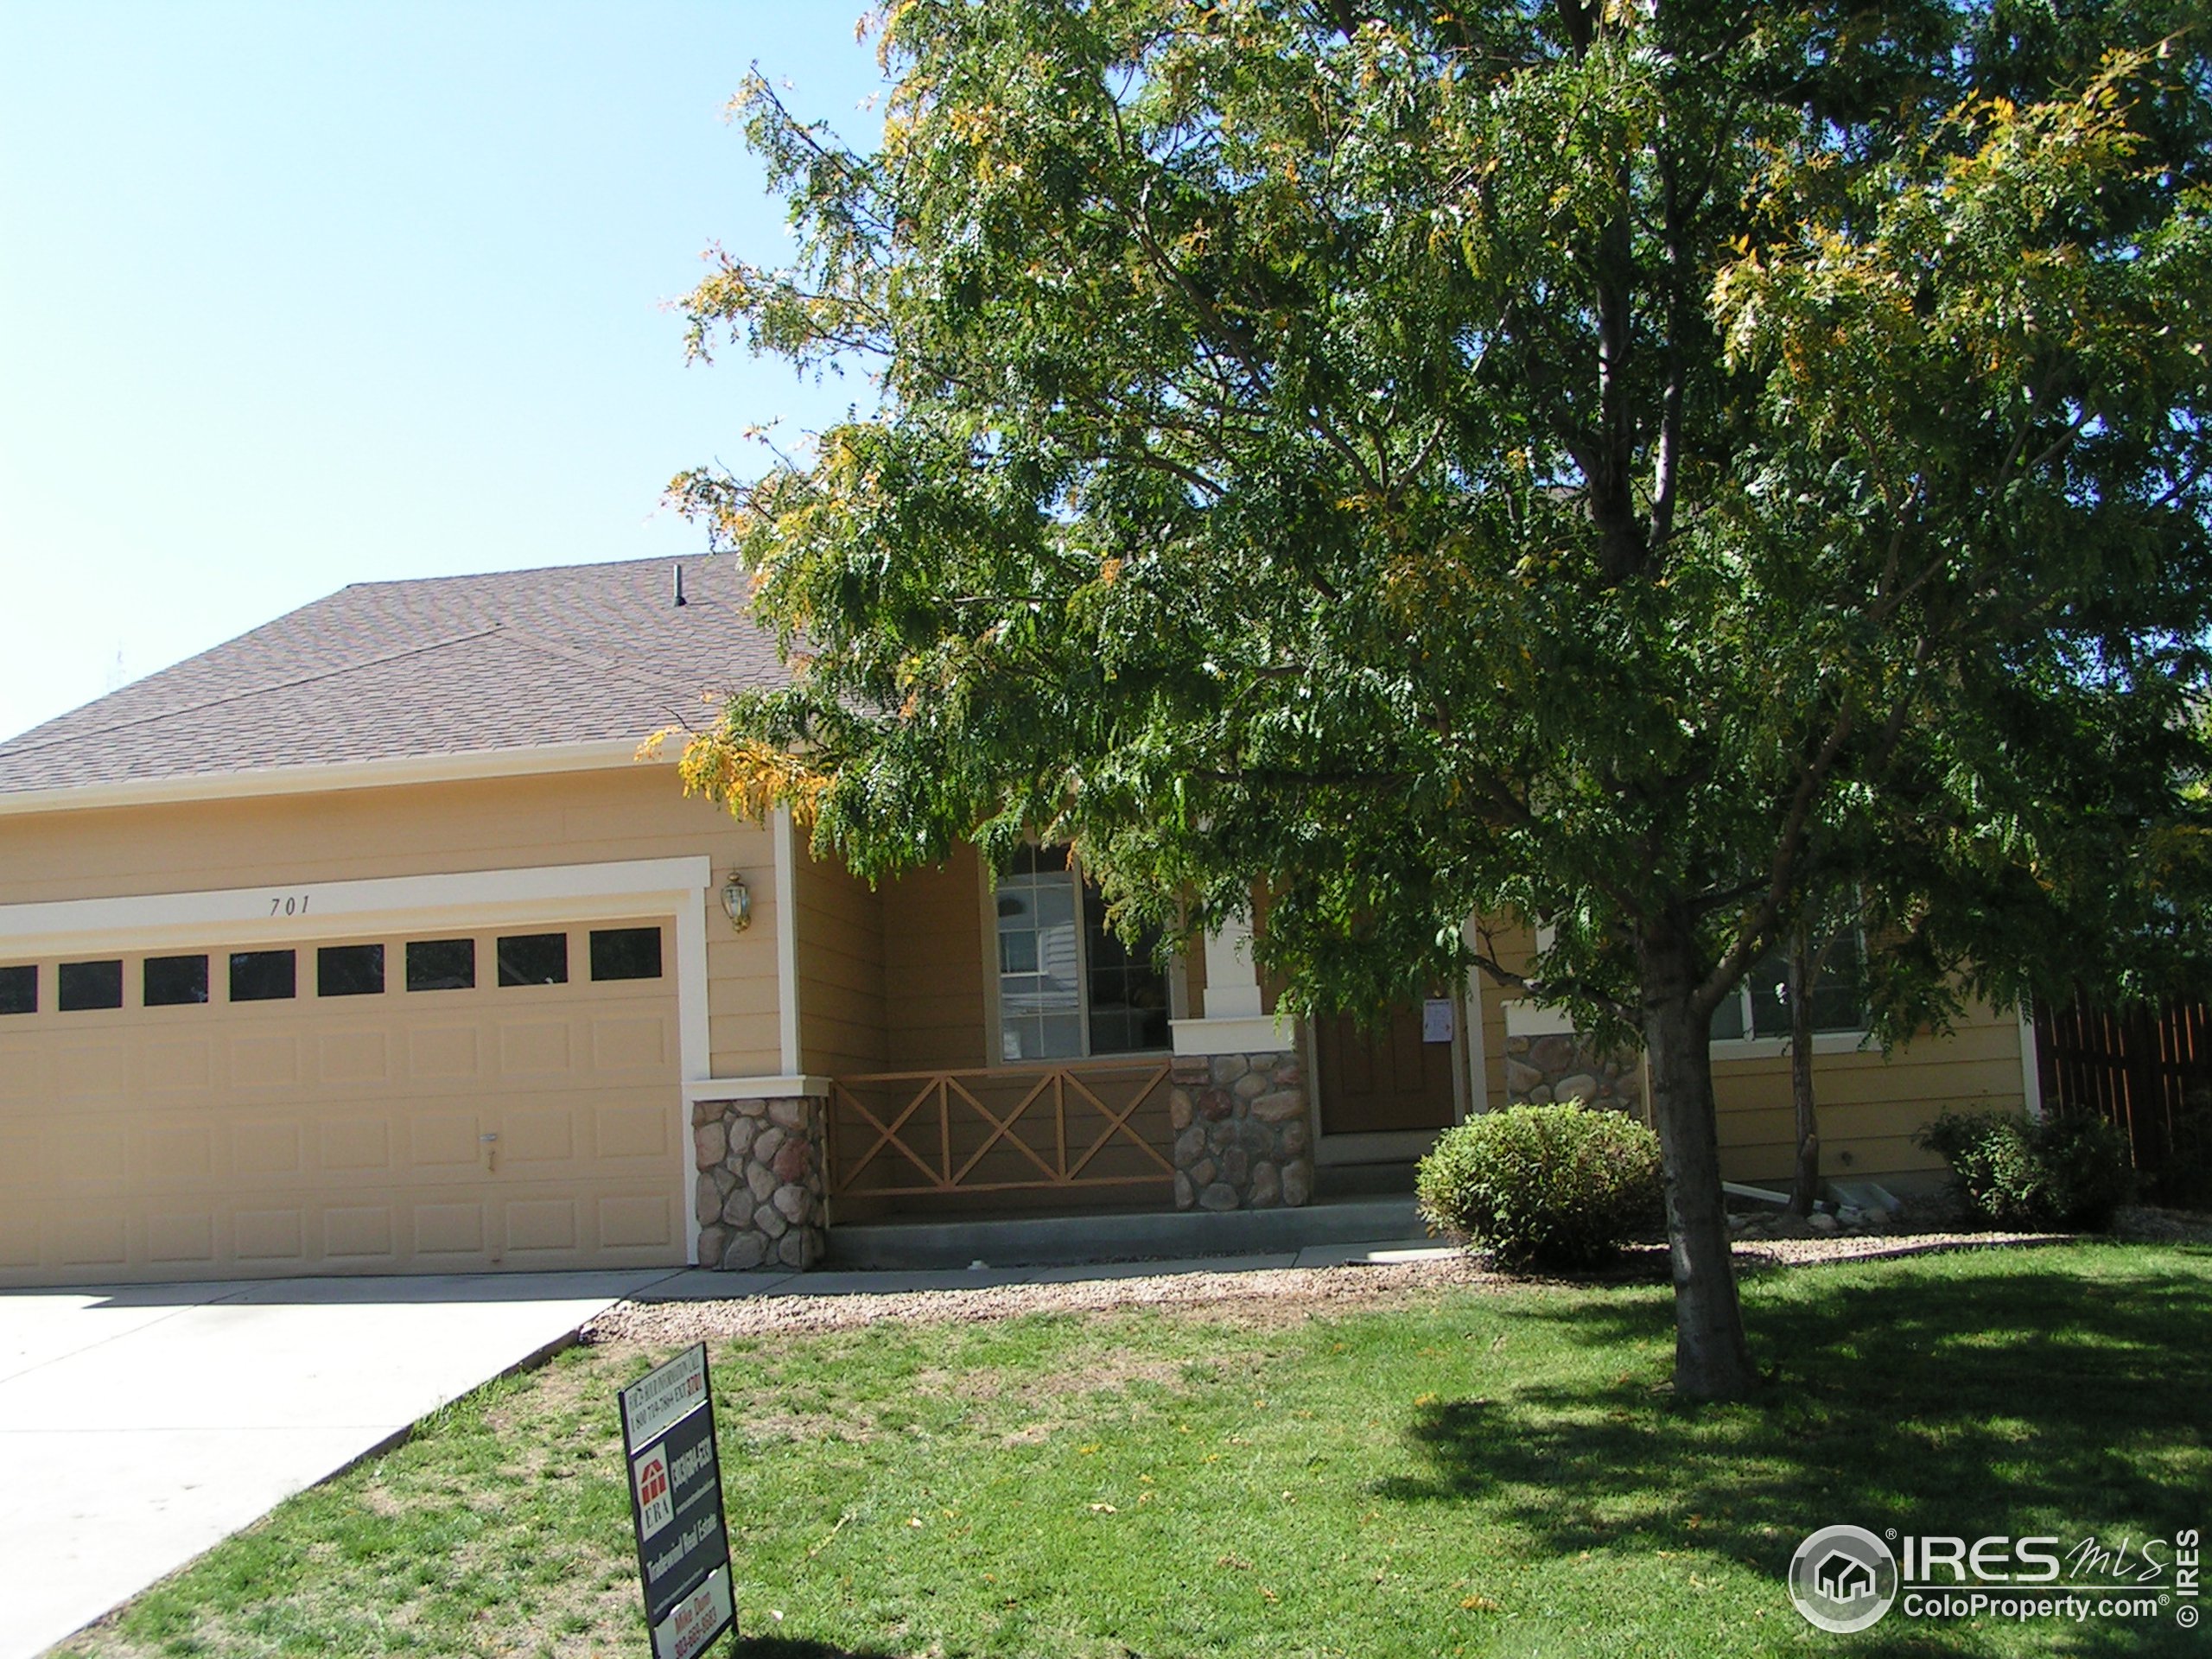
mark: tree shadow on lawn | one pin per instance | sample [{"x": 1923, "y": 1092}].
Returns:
[
  {"x": 778, "y": 1647},
  {"x": 2033, "y": 1401}
]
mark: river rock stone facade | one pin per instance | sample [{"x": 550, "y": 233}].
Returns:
[
  {"x": 1565, "y": 1066},
  {"x": 758, "y": 1195},
  {"x": 1242, "y": 1136}
]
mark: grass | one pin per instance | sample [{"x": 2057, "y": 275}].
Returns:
[{"x": 1456, "y": 1473}]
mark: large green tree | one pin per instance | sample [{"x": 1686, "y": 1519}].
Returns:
[{"x": 1640, "y": 465}]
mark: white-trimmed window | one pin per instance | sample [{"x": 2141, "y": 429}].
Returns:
[
  {"x": 1759, "y": 1007},
  {"x": 1068, "y": 986}
]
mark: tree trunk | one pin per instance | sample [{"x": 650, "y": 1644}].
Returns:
[
  {"x": 1711, "y": 1361},
  {"x": 1805, "y": 1187}
]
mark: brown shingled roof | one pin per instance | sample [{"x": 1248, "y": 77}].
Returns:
[{"x": 515, "y": 660}]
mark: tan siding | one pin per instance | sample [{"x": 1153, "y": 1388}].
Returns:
[
  {"x": 934, "y": 967},
  {"x": 632, "y": 812},
  {"x": 1870, "y": 1109},
  {"x": 1490, "y": 1009},
  {"x": 839, "y": 970},
  {"x": 1511, "y": 945}
]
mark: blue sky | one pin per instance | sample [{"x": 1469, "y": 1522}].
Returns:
[{"x": 294, "y": 296}]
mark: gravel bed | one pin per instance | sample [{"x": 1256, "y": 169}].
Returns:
[{"x": 1268, "y": 1295}]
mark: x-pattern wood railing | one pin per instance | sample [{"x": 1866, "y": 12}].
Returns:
[{"x": 921, "y": 1143}]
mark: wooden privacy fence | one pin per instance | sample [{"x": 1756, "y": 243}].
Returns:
[
  {"x": 908, "y": 1134},
  {"x": 2147, "y": 1068}
]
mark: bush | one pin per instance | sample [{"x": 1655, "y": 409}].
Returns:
[
  {"x": 2184, "y": 1179},
  {"x": 1554, "y": 1186},
  {"x": 2068, "y": 1170}
]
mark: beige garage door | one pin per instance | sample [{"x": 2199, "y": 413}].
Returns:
[{"x": 402, "y": 1104}]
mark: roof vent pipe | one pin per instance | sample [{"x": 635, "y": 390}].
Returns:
[{"x": 680, "y": 600}]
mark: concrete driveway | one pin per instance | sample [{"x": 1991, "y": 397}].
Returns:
[{"x": 142, "y": 1425}]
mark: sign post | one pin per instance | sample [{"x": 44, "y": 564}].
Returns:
[{"x": 676, "y": 1503}]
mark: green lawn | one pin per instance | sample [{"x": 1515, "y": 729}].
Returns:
[{"x": 1455, "y": 1472}]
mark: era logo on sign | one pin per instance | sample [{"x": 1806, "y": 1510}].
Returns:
[{"x": 655, "y": 1508}]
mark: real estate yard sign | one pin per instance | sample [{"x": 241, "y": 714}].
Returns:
[{"x": 676, "y": 1499}]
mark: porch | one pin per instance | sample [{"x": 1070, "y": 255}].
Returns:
[{"x": 960, "y": 1052}]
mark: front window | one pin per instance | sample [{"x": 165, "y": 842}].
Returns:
[
  {"x": 1759, "y": 1007},
  {"x": 1068, "y": 986}
]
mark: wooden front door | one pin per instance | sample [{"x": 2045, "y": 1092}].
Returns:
[{"x": 1382, "y": 1077}]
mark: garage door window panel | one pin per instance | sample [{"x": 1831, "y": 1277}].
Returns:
[
  {"x": 87, "y": 985},
  {"x": 174, "y": 981},
  {"x": 264, "y": 975},
  {"x": 19, "y": 989},
  {"x": 534, "y": 959},
  {"x": 349, "y": 970},
  {"x": 625, "y": 953},
  {"x": 441, "y": 964}
]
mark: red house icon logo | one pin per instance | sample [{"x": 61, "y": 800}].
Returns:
[{"x": 650, "y": 1476}]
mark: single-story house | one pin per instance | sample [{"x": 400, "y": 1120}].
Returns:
[{"x": 366, "y": 943}]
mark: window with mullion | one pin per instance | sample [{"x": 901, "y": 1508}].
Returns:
[
  {"x": 1068, "y": 986},
  {"x": 1759, "y": 1007}
]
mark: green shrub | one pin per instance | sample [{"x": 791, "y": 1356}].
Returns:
[
  {"x": 2068, "y": 1170},
  {"x": 1554, "y": 1186},
  {"x": 2185, "y": 1178}
]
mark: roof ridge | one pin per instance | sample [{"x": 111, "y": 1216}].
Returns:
[
  {"x": 531, "y": 570},
  {"x": 264, "y": 689},
  {"x": 636, "y": 677}
]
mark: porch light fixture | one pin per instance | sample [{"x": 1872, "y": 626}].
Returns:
[{"x": 737, "y": 902}]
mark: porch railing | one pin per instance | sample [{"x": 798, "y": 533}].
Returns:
[{"x": 906, "y": 1134}]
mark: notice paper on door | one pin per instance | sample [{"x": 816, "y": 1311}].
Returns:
[{"x": 1439, "y": 1022}]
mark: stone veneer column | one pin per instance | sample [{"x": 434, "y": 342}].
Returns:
[
  {"x": 1566, "y": 1065},
  {"x": 1241, "y": 1138},
  {"x": 760, "y": 1194}
]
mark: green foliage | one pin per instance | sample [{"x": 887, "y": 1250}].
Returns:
[
  {"x": 2067, "y": 1170},
  {"x": 1546, "y": 1186},
  {"x": 1639, "y": 468},
  {"x": 1635, "y": 466}
]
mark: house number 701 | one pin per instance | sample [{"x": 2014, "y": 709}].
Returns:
[{"x": 292, "y": 904}]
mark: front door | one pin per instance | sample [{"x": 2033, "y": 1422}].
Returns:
[{"x": 1391, "y": 1076}]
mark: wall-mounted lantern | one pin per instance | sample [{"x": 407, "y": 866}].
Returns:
[{"x": 737, "y": 902}]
